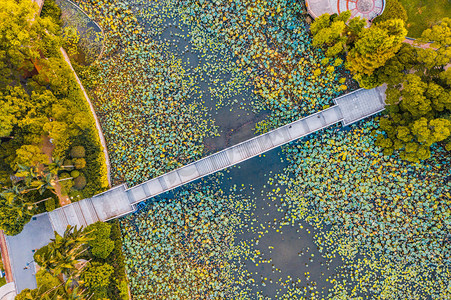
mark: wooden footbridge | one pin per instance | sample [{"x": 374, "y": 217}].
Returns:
[{"x": 121, "y": 200}]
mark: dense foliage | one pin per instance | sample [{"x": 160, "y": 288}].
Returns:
[
  {"x": 101, "y": 244},
  {"x": 393, "y": 10},
  {"x": 366, "y": 49},
  {"x": 70, "y": 265},
  {"x": 43, "y": 114},
  {"x": 418, "y": 96},
  {"x": 418, "y": 84}
]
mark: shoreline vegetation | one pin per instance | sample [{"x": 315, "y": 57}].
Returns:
[
  {"x": 41, "y": 101},
  {"x": 87, "y": 263},
  {"x": 50, "y": 148}
]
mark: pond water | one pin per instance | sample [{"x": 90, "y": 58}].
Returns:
[
  {"x": 75, "y": 21},
  {"x": 271, "y": 258},
  {"x": 174, "y": 86},
  {"x": 326, "y": 217}
]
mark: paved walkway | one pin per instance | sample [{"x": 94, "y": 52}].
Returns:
[
  {"x": 36, "y": 234},
  {"x": 99, "y": 128},
  {"x": 121, "y": 200},
  {"x": 8, "y": 291}
]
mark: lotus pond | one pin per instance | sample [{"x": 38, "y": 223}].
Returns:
[{"x": 325, "y": 217}]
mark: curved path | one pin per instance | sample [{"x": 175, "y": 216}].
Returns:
[
  {"x": 99, "y": 128},
  {"x": 121, "y": 200}
]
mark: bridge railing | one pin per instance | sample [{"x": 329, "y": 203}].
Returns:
[{"x": 235, "y": 154}]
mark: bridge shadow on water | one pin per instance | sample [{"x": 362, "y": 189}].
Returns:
[{"x": 289, "y": 257}]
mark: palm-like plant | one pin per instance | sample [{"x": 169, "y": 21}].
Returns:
[
  {"x": 62, "y": 255},
  {"x": 73, "y": 291},
  {"x": 28, "y": 173},
  {"x": 12, "y": 194},
  {"x": 57, "y": 165},
  {"x": 41, "y": 184}
]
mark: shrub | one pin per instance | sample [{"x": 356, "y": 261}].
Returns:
[
  {"x": 68, "y": 163},
  {"x": 39, "y": 253},
  {"x": 123, "y": 290},
  {"x": 50, "y": 204},
  {"x": 80, "y": 182},
  {"x": 79, "y": 163},
  {"x": 45, "y": 280},
  {"x": 75, "y": 173},
  {"x": 338, "y": 62},
  {"x": 393, "y": 10},
  {"x": 99, "y": 230},
  {"x": 101, "y": 248},
  {"x": 116, "y": 259},
  {"x": 101, "y": 245},
  {"x": 97, "y": 276},
  {"x": 96, "y": 172},
  {"x": 78, "y": 152}
]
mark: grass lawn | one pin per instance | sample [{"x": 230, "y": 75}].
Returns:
[{"x": 423, "y": 14}]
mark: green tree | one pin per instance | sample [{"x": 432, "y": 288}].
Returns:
[
  {"x": 418, "y": 97},
  {"x": 97, "y": 276},
  {"x": 366, "y": 49},
  {"x": 335, "y": 33},
  {"x": 21, "y": 40},
  {"x": 30, "y": 155},
  {"x": 14, "y": 218},
  {"x": 78, "y": 152},
  {"x": 375, "y": 46},
  {"x": 63, "y": 254},
  {"x": 100, "y": 243}
]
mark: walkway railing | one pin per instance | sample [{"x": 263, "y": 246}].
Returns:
[{"x": 121, "y": 200}]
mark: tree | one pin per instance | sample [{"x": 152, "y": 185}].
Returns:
[
  {"x": 101, "y": 244},
  {"x": 418, "y": 97},
  {"x": 30, "y": 155},
  {"x": 62, "y": 255},
  {"x": 334, "y": 33},
  {"x": 13, "y": 218},
  {"x": 439, "y": 52},
  {"x": 79, "y": 163},
  {"x": 80, "y": 182},
  {"x": 51, "y": 288},
  {"x": 97, "y": 276},
  {"x": 7, "y": 117},
  {"x": 375, "y": 46},
  {"x": 21, "y": 40},
  {"x": 366, "y": 49},
  {"x": 78, "y": 152},
  {"x": 58, "y": 164}
]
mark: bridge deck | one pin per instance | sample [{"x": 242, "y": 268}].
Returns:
[
  {"x": 108, "y": 205},
  {"x": 120, "y": 201}
]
